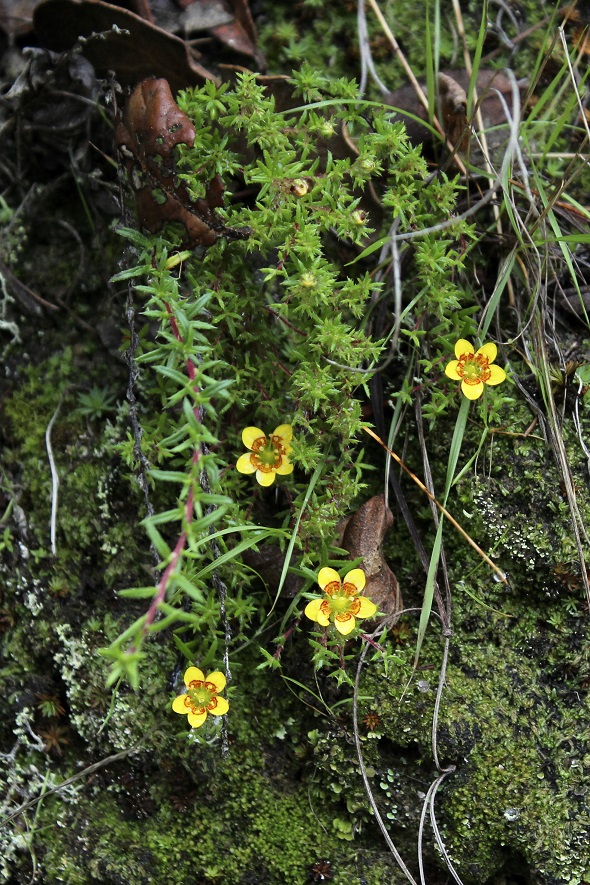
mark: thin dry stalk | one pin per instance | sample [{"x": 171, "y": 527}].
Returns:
[{"x": 417, "y": 88}]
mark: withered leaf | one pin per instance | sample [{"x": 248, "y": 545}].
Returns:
[
  {"x": 363, "y": 537},
  {"x": 453, "y": 108},
  {"x": 204, "y": 14},
  {"x": 16, "y": 16},
  {"x": 241, "y": 10},
  {"x": 150, "y": 128},
  {"x": 229, "y": 21},
  {"x": 119, "y": 41},
  {"x": 452, "y": 86},
  {"x": 233, "y": 35}
]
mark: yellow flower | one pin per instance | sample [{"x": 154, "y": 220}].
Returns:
[
  {"x": 267, "y": 457},
  {"x": 202, "y": 696},
  {"x": 474, "y": 369},
  {"x": 342, "y": 600}
]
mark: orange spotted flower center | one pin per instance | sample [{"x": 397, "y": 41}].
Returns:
[
  {"x": 474, "y": 368},
  {"x": 200, "y": 696},
  {"x": 342, "y": 601},
  {"x": 267, "y": 454}
]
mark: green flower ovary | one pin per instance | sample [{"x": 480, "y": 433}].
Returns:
[
  {"x": 473, "y": 368},
  {"x": 340, "y": 605},
  {"x": 267, "y": 452}
]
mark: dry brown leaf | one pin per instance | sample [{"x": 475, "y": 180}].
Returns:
[
  {"x": 363, "y": 537},
  {"x": 146, "y": 50},
  {"x": 16, "y": 16},
  {"x": 453, "y": 108},
  {"x": 150, "y": 128},
  {"x": 233, "y": 35},
  {"x": 229, "y": 21},
  {"x": 452, "y": 88}
]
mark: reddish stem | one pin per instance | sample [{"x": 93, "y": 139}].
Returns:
[
  {"x": 372, "y": 642},
  {"x": 188, "y": 510}
]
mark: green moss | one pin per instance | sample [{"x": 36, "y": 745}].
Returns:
[
  {"x": 209, "y": 820},
  {"x": 521, "y": 512},
  {"x": 90, "y": 507},
  {"x": 512, "y": 725},
  {"x": 513, "y": 721}
]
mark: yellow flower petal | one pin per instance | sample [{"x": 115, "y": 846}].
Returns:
[
  {"x": 490, "y": 350},
  {"x": 286, "y": 468},
  {"x": 314, "y": 613},
  {"x": 357, "y": 577},
  {"x": 244, "y": 464},
  {"x": 250, "y": 435},
  {"x": 193, "y": 674},
  {"x": 367, "y": 608},
  {"x": 451, "y": 370},
  {"x": 265, "y": 479},
  {"x": 472, "y": 391},
  {"x": 285, "y": 432},
  {"x": 344, "y": 623},
  {"x": 195, "y": 720},
  {"x": 178, "y": 704},
  {"x": 498, "y": 375},
  {"x": 218, "y": 680},
  {"x": 462, "y": 346},
  {"x": 327, "y": 576},
  {"x": 221, "y": 707}
]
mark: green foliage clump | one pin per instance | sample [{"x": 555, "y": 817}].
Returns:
[{"x": 272, "y": 329}]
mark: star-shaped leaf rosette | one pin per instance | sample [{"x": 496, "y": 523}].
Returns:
[
  {"x": 341, "y": 605},
  {"x": 474, "y": 369},
  {"x": 202, "y": 696},
  {"x": 268, "y": 456}
]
